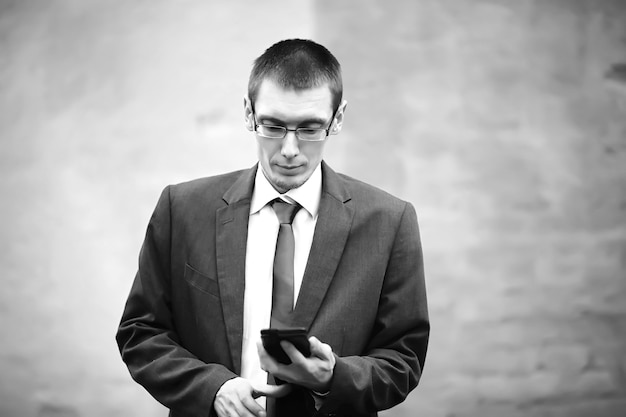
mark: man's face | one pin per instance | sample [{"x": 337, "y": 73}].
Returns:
[{"x": 289, "y": 162}]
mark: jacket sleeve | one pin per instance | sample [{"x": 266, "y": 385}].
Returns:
[
  {"x": 394, "y": 358},
  {"x": 147, "y": 338}
]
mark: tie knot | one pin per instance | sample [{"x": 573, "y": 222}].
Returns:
[{"x": 285, "y": 211}]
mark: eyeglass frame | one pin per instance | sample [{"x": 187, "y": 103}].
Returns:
[{"x": 286, "y": 129}]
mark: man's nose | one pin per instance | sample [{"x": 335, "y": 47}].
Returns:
[{"x": 290, "y": 146}]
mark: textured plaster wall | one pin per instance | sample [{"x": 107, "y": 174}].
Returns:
[
  {"x": 102, "y": 104},
  {"x": 504, "y": 122}
]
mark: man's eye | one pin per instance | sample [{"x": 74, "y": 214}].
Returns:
[{"x": 272, "y": 130}]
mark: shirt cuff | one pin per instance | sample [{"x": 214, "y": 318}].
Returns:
[{"x": 319, "y": 398}]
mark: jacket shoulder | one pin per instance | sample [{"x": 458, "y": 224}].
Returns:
[
  {"x": 367, "y": 195},
  {"x": 215, "y": 182},
  {"x": 206, "y": 190}
]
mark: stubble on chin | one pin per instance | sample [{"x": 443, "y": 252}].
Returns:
[{"x": 282, "y": 185}]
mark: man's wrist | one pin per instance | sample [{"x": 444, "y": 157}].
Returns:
[{"x": 323, "y": 389}]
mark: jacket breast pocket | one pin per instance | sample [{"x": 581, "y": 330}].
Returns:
[{"x": 200, "y": 281}]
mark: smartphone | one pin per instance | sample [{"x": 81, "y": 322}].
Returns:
[{"x": 296, "y": 336}]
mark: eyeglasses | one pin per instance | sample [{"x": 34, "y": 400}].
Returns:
[{"x": 307, "y": 134}]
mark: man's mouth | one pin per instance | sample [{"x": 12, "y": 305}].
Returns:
[{"x": 289, "y": 167}]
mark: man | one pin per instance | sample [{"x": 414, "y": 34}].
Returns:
[{"x": 207, "y": 280}]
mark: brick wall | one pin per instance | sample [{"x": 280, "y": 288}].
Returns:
[{"x": 503, "y": 122}]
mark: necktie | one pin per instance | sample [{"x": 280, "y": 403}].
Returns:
[
  {"x": 282, "y": 292},
  {"x": 282, "y": 287}
]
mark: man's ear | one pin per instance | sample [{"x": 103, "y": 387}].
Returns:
[
  {"x": 247, "y": 113},
  {"x": 339, "y": 115}
]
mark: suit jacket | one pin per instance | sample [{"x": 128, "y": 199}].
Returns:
[{"x": 362, "y": 293}]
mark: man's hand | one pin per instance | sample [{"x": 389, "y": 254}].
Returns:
[
  {"x": 236, "y": 397},
  {"x": 314, "y": 372}
]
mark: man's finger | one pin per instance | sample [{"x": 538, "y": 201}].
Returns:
[
  {"x": 294, "y": 354},
  {"x": 275, "y": 391},
  {"x": 267, "y": 362},
  {"x": 319, "y": 349},
  {"x": 235, "y": 398},
  {"x": 251, "y": 405},
  {"x": 262, "y": 352}
]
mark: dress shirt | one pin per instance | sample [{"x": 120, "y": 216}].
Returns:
[{"x": 261, "y": 244}]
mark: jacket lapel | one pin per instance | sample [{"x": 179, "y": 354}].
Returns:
[
  {"x": 331, "y": 232},
  {"x": 231, "y": 238}
]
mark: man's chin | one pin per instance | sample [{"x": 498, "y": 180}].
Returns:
[{"x": 283, "y": 183}]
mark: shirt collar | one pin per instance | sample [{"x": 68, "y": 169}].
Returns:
[{"x": 308, "y": 195}]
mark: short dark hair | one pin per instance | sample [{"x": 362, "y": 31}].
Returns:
[{"x": 298, "y": 64}]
